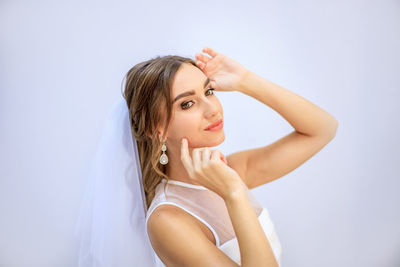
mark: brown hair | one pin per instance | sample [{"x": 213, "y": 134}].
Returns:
[{"x": 147, "y": 91}]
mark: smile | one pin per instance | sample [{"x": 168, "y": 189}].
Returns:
[{"x": 215, "y": 126}]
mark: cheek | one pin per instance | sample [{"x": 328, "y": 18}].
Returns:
[{"x": 186, "y": 124}]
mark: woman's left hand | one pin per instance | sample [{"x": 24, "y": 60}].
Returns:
[{"x": 225, "y": 73}]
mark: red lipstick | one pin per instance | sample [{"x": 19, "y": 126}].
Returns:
[{"x": 215, "y": 126}]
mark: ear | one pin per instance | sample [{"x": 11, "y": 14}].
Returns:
[{"x": 159, "y": 134}]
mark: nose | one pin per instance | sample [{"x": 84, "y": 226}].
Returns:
[{"x": 211, "y": 109}]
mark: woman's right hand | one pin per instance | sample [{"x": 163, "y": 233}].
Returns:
[{"x": 207, "y": 169}]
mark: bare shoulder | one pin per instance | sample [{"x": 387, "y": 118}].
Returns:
[{"x": 178, "y": 239}]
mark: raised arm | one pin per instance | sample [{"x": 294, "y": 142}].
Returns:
[{"x": 314, "y": 128}]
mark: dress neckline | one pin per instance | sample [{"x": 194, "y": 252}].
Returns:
[{"x": 171, "y": 181}]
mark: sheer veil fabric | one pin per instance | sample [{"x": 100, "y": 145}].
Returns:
[{"x": 111, "y": 227}]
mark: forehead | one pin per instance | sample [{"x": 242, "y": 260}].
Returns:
[{"x": 187, "y": 78}]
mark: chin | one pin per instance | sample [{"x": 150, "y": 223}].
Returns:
[{"x": 215, "y": 141}]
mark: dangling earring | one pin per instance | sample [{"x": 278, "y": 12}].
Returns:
[{"x": 164, "y": 157}]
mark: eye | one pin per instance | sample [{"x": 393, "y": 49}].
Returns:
[
  {"x": 184, "y": 104},
  {"x": 211, "y": 89}
]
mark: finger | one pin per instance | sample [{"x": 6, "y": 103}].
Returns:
[
  {"x": 202, "y": 58},
  {"x": 196, "y": 160},
  {"x": 206, "y": 156},
  {"x": 218, "y": 156},
  {"x": 185, "y": 157},
  {"x": 210, "y": 51},
  {"x": 215, "y": 156},
  {"x": 214, "y": 85},
  {"x": 200, "y": 64},
  {"x": 224, "y": 159}
]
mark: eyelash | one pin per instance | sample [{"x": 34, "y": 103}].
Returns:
[{"x": 184, "y": 103}]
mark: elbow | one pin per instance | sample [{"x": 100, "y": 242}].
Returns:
[
  {"x": 331, "y": 129},
  {"x": 328, "y": 131},
  {"x": 335, "y": 126}
]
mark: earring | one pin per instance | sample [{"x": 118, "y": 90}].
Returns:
[{"x": 164, "y": 157}]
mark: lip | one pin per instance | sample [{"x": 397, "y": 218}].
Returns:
[{"x": 214, "y": 126}]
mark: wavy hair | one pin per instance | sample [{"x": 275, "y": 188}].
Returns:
[{"x": 148, "y": 95}]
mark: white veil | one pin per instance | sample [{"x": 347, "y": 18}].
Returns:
[{"x": 111, "y": 226}]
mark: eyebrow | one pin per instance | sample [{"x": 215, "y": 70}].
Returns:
[{"x": 192, "y": 92}]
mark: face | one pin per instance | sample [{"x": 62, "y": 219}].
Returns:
[{"x": 194, "y": 108}]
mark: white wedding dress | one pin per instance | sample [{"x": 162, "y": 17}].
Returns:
[{"x": 209, "y": 208}]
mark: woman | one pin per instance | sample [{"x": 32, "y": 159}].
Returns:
[{"x": 200, "y": 211}]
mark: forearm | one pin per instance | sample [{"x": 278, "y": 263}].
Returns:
[
  {"x": 255, "y": 249},
  {"x": 304, "y": 116}
]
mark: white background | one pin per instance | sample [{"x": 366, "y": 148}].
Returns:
[{"x": 61, "y": 69}]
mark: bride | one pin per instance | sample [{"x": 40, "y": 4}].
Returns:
[{"x": 198, "y": 207}]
